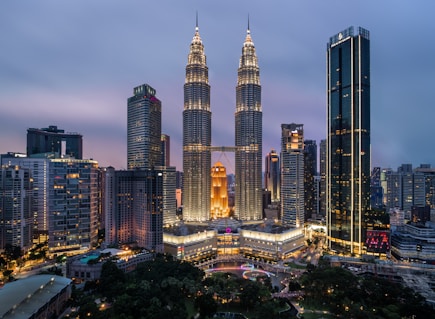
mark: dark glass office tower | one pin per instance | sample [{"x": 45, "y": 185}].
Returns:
[
  {"x": 272, "y": 175},
  {"x": 144, "y": 125},
  {"x": 348, "y": 140},
  {"x": 54, "y": 140},
  {"x": 196, "y": 135},
  {"x": 310, "y": 171},
  {"x": 166, "y": 149},
  {"x": 322, "y": 193},
  {"x": 248, "y": 141}
]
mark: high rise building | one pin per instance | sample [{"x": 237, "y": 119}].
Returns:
[
  {"x": 54, "y": 140},
  {"x": 405, "y": 189},
  {"x": 196, "y": 135},
  {"x": 16, "y": 221},
  {"x": 168, "y": 177},
  {"x": 272, "y": 175},
  {"x": 166, "y": 150},
  {"x": 137, "y": 215},
  {"x": 72, "y": 205},
  {"x": 64, "y": 201},
  {"x": 110, "y": 203},
  {"x": 39, "y": 169},
  {"x": 219, "y": 192},
  {"x": 144, "y": 125},
  {"x": 139, "y": 200},
  {"x": 376, "y": 195},
  {"x": 429, "y": 174},
  {"x": 248, "y": 139},
  {"x": 348, "y": 139},
  {"x": 292, "y": 175},
  {"x": 322, "y": 192},
  {"x": 310, "y": 171}
]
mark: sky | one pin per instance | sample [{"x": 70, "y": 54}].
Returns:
[{"x": 75, "y": 63}]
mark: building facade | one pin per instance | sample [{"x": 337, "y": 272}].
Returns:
[
  {"x": 248, "y": 139},
  {"x": 322, "y": 166},
  {"x": 144, "y": 125},
  {"x": 166, "y": 150},
  {"x": 136, "y": 214},
  {"x": 310, "y": 171},
  {"x": 219, "y": 192},
  {"x": 406, "y": 188},
  {"x": 73, "y": 205},
  {"x": 64, "y": 201},
  {"x": 272, "y": 175},
  {"x": 54, "y": 140},
  {"x": 292, "y": 175},
  {"x": 169, "y": 204},
  {"x": 196, "y": 135},
  {"x": 348, "y": 140},
  {"x": 39, "y": 168},
  {"x": 16, "y": 220}
]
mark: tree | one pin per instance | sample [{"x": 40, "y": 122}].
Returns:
[
  {"x": 267, "y": 309},
  {"x": 206, "y": 305},
  {"x": 111, "y": 281},
  {"x": 88, "y": 308},
  {"x": 13, "y": 252}
]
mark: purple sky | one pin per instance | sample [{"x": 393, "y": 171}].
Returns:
[{"x": 74, "y": 64}]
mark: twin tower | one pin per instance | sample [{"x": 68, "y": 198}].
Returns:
[{"x": 197, "y": 146}]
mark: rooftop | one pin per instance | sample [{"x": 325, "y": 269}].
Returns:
[{"x": 22, "y": 298}]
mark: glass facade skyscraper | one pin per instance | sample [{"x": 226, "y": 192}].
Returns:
[
  {"x": 144, "y": 125},
  {"x": 310, "y": 171},
  {"x": 248, "y": 139},
  {"x": 292, "y": 175},
  {"x": 16, "y": 222},
  {"x": 272, "y": 175},
  {"x": 196, "y": 135},
  {"x": 348, "y": 139}
]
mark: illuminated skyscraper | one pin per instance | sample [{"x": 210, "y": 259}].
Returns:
[
  {"x": 144, "y": 125},
  {"x": 322, "y": 193},
  {"x": 219, "y": 192},
  {"x": 348, "y": 140},
  {"x": 16, "y": 220},
  {"x": 248, "y": 139},
  {"x": 196, "y": 135},
  {"x": 65, "y": 201},
  {"x": 134, "y": 208},
  {"x": 272, "y": 174},
  {"x": 292, "y": 175}
]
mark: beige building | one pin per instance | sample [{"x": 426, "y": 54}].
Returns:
[{"x": 228, "y": 237}]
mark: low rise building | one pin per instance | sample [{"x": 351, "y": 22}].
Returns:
[
  {"x": 35, "y": 297},
  {"x": 226, "y": 237},
  {"x": 87, "y": 267},
  {"x": 414, "y": 242}
]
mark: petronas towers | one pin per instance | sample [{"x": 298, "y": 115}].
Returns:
[
  {"x": 196, "y": 135},
  {"x": 197, "y": 147}
]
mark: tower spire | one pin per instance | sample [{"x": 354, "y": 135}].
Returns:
[
  {"x": 249, "y": 30},
  {"x": 196, "y": 27}
]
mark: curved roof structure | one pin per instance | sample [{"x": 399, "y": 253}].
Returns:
[{"x": 24, "y": 297}]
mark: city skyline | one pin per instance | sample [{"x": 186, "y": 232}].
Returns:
[{"x": 73, "y": 65}]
